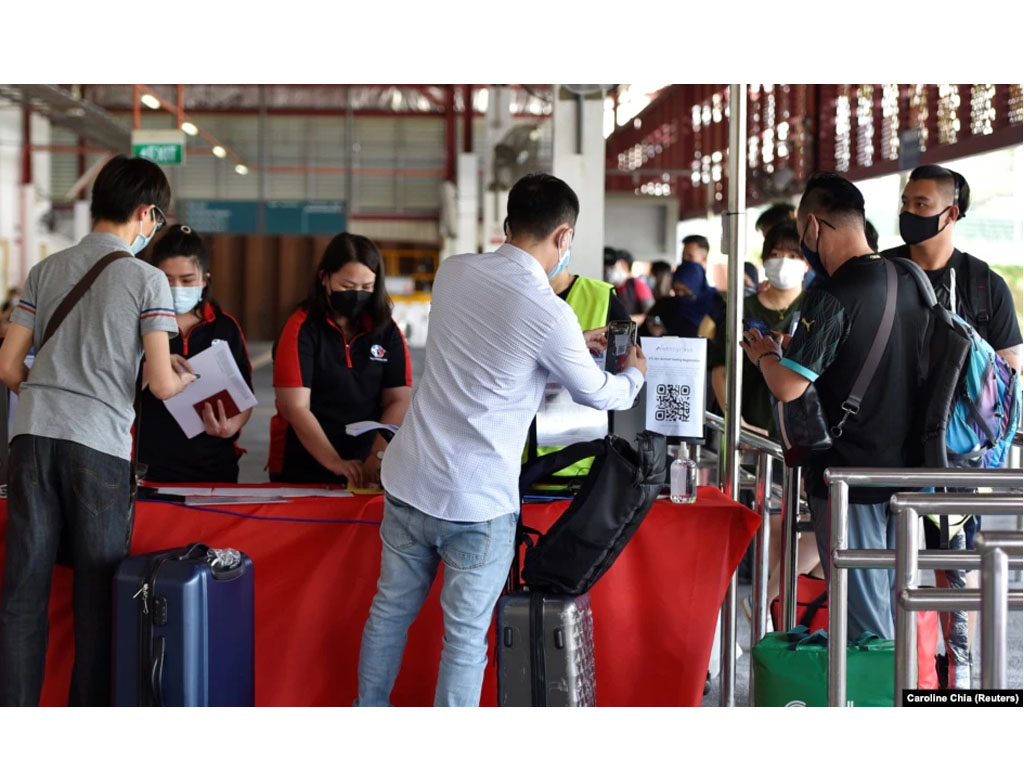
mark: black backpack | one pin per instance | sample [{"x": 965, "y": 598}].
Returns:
[
  {"x": 613, "y": 500},
  {"x": 945, "y": 356}
]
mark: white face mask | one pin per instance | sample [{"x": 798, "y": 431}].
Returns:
[
  {"x": 785, "y": 273},
  {"x": 616, "y": 275}
]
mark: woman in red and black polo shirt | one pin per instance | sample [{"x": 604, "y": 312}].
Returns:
[
  {"x": 212, "y": 456},
  {"x": 339, "y": 359}
]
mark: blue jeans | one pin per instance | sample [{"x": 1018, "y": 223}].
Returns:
[
  {"x": 870, "y": 603},
  {"x": 477, "y": 557},
  {"x": 56, "y": 485}
]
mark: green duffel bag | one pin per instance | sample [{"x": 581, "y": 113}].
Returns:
[{"x": 791, "y": 670}]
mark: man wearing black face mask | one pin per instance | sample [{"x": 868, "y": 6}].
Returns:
[
  {"x": 934, "y": 199},
  {"x": 838, "y": 324}
]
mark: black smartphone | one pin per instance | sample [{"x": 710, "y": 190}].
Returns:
[
  {"x": 753, "y": 322},
  {"x": 621, "y": 336}
]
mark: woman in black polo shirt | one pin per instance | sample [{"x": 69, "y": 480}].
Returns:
[
  {"x": 213, "y": 455},
  {"x": 340, "y": 359}
]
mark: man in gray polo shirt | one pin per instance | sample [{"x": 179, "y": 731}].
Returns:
[{"x": 71, "y": 442}]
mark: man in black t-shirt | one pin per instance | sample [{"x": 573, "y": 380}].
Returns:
[
  {"x": 838, "y": 323},
  {"x": 934, "y": 199}
]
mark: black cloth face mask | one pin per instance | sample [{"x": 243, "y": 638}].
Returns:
[
  {"x": 350, "y": 304},
  {"x": 916, "y": 229},
  {"x": 814, "y": 257}
]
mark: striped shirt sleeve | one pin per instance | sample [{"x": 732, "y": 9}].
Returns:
[
  {"x": 156, "y": 307},
  {"x": 25, "y": 313}
]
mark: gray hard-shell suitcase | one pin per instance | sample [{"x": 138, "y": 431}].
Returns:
[{"x": 545, "y": 651}]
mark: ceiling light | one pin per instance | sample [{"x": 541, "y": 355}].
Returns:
[
  {"x": 241, "y": 170},
  {"x": 219, "y": 151},
  {"x": 190, "y": 129},
  {"x": 151, "y": 101}
]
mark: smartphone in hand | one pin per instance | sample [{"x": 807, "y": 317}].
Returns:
[
  {"x": 621, "y": 336},
  {"x": 760, "y": 325}
]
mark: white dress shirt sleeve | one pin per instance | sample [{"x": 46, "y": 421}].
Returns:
[{"x": 565, "y": 356}]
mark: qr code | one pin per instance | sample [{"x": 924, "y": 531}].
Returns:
[{"x": 673, "y": 402}]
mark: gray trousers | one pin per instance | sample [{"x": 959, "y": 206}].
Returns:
[{"x": 870, "y": 591}]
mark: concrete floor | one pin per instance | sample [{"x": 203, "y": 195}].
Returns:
[{"x": 255, "y": 439}]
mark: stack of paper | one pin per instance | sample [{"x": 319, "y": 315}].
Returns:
[
  {"x": 219, "y": 380},
  {"x": 357, "y": 428}
]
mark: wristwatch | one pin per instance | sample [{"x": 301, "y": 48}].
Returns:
[{"x": 380, "y": 455}]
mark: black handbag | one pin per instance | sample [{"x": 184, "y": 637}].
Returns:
[
  {"x": 616, "y": 495},
  {"x": 803, "y": 424}
]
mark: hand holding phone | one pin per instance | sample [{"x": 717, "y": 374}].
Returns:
[{"x": 621, "y": 337}]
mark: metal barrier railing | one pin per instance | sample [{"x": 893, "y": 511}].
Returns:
[
  {"x": 768, "y": 452},
  {"x": 841, "y": 559},
  {"x": 996, "y": 549},
  {"x": 910, "y": 597}
]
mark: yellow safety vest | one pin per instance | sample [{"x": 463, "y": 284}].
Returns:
[{"x": 589, "y": 301}]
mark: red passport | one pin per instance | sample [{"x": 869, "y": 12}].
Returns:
[{"x": 230, "y": 409}]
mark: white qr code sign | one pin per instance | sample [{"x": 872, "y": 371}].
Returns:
[{"x": 675, "y": 385}]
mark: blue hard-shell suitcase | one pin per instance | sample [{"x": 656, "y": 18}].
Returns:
[{"x": 183, "y": 629}]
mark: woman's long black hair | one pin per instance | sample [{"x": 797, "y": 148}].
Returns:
[{"x": 343, "y": 249}]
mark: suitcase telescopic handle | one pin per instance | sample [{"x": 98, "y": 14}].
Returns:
[{"x": 156, "y": 671}]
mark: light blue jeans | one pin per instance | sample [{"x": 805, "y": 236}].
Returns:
[{"x": 477, "y": 557}]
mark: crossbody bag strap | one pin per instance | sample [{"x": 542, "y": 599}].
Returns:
[
  {"x": 851, "y": 406},
  {"x": 78, "y": 291}
]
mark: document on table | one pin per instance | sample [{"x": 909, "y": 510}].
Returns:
[
  {"x": 676, "y": 383},
  {"x": 561, "y": 421},
  {"x": 219, "y": 380},
  {"x": 234, "y": 491}
]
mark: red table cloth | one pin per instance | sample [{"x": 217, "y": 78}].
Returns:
[{"x": 316, "y": 564}]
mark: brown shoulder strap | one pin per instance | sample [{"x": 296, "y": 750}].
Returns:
[{"x": 78, "y": 291}]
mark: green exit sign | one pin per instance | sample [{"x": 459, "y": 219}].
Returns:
[{"x": 161, "y": 147}]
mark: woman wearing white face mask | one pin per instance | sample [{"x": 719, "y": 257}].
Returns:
[
  {"x": 775, "y": 308},
  {"x": 213, "y": 455}
]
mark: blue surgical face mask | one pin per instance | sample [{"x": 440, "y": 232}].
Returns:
[
  {"x": 185, "y": 298},
  {"x": 140, "y": 242},
  {"x": 561, "y": 265}
]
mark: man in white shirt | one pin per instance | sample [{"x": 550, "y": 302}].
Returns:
[{"x": 452, "y": 472}]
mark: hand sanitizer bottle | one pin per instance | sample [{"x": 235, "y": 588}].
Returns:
[{"x": 683, "y": 477}]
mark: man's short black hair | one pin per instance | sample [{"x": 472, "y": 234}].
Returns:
[
  {"x": 775, "y": 214},
  {"x": 950, "y": 182},
  {"x": 699, "y": 240},
  {"x": 784, "y": 236},
  {"x": 837, "y": 198},
  {"x": 611, "y": 255},
  {"x": 124, "y": 184},
  {"x": 540, "y": 203}
]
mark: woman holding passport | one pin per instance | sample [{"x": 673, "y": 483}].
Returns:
[
  {"x": 340, "y": 359},
  {"x": 211, "y": 456}
]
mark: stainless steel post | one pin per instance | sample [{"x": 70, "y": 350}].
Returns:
[
  {"x": 839, "y": 505},
  {"x": 787, "y": 564},
  {"x": 734, "y": 356},
  {"x": 905, "y": 673},
  {"x": 762, "y": 546},
  {"x": 994, "y": 593}
]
